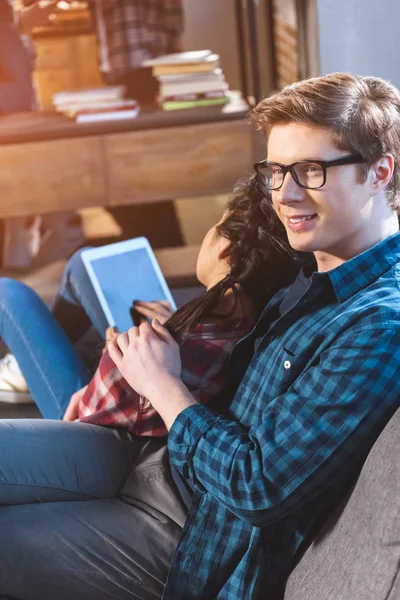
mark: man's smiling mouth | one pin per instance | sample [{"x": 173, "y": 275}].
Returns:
[{"x": 295, "y": 220}]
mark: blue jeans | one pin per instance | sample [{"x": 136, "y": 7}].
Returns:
[
  {"x": 79, "y": 517},
  {"x": 71, "y": 542},
  {"x": 76, "y": 307},
  {"x": 44, "y": 342}
]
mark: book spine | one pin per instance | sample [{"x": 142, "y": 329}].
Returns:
[
  {"x": 195, "y": 103},
  {"x": 194, "y": 96},
  {"x": 215, "y": 75},
  {"x": 184, "y": 69},
  {"x": 194, "y": 88},
  {"x": 107, "y": 116}
]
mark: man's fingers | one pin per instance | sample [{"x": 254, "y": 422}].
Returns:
[
  {"x": 114, "y": 353},
  {"x": 122, "y": 341},
  {"x": 144, "y": 329},
  {"x": 161, "y": 331},
  {"x": 133, "y": 334}
]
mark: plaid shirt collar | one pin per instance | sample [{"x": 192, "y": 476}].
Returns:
[{"x": 357, "y": 273}]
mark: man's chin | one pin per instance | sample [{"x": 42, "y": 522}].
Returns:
[{"x": 300, "y": 244}]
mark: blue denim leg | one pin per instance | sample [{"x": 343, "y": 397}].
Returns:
[
  {"x": 76, "y": 306},
  {"x": 104, "y": 549},
  {"x": 52, "y": 368},
  {"x": 47, "y": 461},
  {"x": 93, "y": 550}
]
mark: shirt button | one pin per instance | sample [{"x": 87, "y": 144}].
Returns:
[{"x": 287, "y": 364}]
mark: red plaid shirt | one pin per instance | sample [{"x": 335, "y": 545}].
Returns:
[
  {"x": 110, "y": 401},
  {"x": 132, "y": 31}
]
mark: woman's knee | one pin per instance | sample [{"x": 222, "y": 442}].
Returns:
[
  {"x": 14, "y": 293},
  {"x": 75, "y": 267}
]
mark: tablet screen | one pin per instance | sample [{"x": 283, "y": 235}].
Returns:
[{"x": 124, "y": 278}]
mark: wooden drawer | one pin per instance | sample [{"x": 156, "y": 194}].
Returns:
[
  {"x": 177, "y": 162},
  {"x": 50, "y": 176}
]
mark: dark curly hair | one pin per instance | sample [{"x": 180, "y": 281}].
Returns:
[{"x": 259, "y": 256}]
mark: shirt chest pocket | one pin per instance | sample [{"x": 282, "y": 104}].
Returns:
[{"x": 288, "y": 366}]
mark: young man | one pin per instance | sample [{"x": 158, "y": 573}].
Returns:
[
  {"x": 316, "y": 383},
  {"x": 322, "y": 381}
]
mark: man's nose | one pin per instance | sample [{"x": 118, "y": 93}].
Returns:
[{"x": 290, "y": 191}]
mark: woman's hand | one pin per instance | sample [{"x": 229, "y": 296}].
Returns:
[
  {"x": 147, "y": 357},
  {"x": 158, "y": 309},
  {"x": 71, "y": 414},
  {"x": 111, "y": 334}
]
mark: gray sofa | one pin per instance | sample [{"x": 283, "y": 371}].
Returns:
[{"x": 356, "y": 556}]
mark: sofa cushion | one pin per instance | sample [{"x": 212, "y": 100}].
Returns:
[{"x": 356, "y": 555}]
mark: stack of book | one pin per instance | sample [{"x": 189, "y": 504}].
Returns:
[
  {"x": 189, "y": 79},
  {"x": 96, "y": 104}
]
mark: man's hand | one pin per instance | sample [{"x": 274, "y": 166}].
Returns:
[
  {"x": 71, "y": 414},
  {"x": 36, "y": 15},
  {"x": 158, "y": 309},
  {"x": 148, "y": 358}
]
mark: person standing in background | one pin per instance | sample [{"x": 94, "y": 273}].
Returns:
[
  {"x": 130, "y": 32},
  {"x": 20, "y": 236},
  {"x": 16, "y": 87}
]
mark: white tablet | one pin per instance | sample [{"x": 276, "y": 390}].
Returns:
[{"x": 122, "y": 273}]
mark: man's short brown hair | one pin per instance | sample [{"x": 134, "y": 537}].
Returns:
[{"x": 362, "y": 112}]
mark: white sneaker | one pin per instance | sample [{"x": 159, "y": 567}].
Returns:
[{"x": 13, "y": 388}]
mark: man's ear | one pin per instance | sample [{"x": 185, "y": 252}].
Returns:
[{"x": 382, "y": 171}]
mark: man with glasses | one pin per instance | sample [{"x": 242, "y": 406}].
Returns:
[
  {"x": 322, "y": 380},
  {"x": 316, "y": 379}
]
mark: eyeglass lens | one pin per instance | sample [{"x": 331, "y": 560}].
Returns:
[{"x": 308, "y": 174}]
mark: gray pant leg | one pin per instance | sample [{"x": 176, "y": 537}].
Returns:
[{"x": 99, "y": 549}]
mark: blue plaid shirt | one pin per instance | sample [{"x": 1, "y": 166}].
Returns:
[{"x": 320, "y": 387}]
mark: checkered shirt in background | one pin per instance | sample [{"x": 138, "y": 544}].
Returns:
[{"x": 136, "y": 30}]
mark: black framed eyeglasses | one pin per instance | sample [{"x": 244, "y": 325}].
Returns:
[{"x": 308, "y": 174}]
